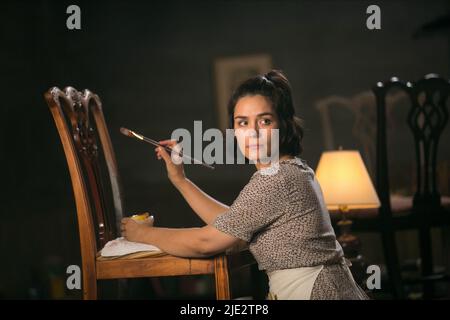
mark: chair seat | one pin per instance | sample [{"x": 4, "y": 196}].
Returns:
[
  {"x": 403, "y": 204},
  {"x": 163, "y": 264},
  {"x": 153, "y": 266},
  {"x": 400, "y": 206}
]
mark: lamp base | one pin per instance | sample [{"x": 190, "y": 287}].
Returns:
[
  {"x": 352, "y": 246},
  {"x": 349, "y": 242}
]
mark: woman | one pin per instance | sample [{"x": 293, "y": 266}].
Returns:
[{"x": 280, "y": 212}]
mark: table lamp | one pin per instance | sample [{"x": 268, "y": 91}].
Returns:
[{"x": 346, "y": 185}]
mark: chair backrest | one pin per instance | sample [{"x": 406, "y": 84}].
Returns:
[
  {"x": 426, "y": 118},
  {"x": 354, "y": 115},
  {"x": 92, "y": 166}
]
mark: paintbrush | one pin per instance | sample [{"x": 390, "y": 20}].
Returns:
[{"x": 132, "y": 134}]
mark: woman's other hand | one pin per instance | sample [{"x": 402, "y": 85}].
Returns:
[{"x": 133, "y": 230}]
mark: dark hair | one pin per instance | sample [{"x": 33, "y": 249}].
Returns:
[{"x": 275, "y": 86}]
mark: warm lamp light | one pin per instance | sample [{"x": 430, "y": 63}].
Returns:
[{"x": 346, "y": 185}]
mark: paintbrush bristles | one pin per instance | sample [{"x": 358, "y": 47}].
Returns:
[
  {"x": 130, "y": 133},
  {"x": 126, "y": 132}
]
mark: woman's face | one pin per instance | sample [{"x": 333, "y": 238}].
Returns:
[{"x": 254, "y": 118}]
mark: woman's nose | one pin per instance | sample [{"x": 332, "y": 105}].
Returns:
[{"x": 255, "y": 129}]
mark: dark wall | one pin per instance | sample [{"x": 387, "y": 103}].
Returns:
[{"x": 152, "y": 65}]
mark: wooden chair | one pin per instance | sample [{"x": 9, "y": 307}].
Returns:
[
  {"x": 98, "y": 195},
  {"x": 427, "y": 118}
]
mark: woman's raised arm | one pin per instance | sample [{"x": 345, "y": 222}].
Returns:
[{"x": 206, "y": 207}]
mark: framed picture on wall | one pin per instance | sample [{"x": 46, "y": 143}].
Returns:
[{"x": 229, "y": 72}]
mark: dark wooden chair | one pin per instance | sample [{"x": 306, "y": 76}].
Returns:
[
  {"x": 427, "y": 118},
  {"x": 98, "y": 195}
]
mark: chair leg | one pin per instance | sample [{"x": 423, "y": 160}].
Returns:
[
  {"x": 426, "y": 261},
  {"x": 392, "y": 263},
  {"x": 222, "y": 278},
  {"x": 89, "y": 286}
]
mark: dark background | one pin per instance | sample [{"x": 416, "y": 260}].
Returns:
[{"x": 152, "y": 65}]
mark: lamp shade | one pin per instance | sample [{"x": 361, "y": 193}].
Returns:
[{"x": 344, "y": 181}]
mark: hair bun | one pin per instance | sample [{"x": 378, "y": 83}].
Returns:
[{"x": 276, "y": 75}]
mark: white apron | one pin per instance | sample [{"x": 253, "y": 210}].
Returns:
[{"x": 292, "y": 284}]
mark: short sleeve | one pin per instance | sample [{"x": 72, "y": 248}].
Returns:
[{"x": 259, "y": 204}]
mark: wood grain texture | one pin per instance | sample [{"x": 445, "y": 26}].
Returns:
[
  {"x": 153, "y": 267},
  {"x": 222, "y": 278}
]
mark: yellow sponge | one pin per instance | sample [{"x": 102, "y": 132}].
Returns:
[{"x": 140, "y": 217}]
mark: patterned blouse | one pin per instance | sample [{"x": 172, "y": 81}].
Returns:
[{"x": 282, "y": 214}]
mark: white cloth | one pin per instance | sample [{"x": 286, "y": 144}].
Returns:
[
  {"x": 121, "y": 246},
  {"x": 293, "y": 284}
]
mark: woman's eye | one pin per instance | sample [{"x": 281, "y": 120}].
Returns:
[
  {"x": 242, "y": 123},
  {"x": 266, "y": 121}
]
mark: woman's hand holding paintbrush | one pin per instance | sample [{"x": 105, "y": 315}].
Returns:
[{"x": 175, "y": 172}]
